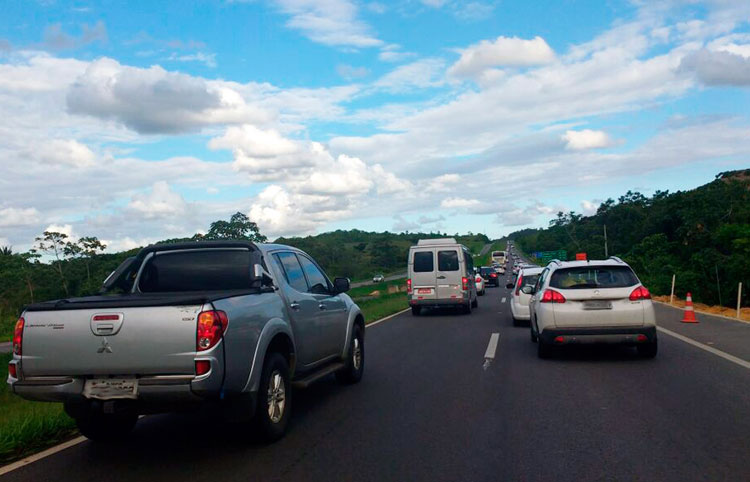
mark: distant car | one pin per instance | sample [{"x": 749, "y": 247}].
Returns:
[
  {"x": 490, "y": 275},
  {"x": 521, "y": 293},
  {"x": 480, "y": 284},
  {"x": 378, "y": 278},
  {"x": 583, "y": 302},
  {"x": 500, "y": 269}
]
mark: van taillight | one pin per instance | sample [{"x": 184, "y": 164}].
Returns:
[
  {"x": 640, "y": 293},
  {"x": 464, "y": 283},
  {"x": 408, "y": 285},
  {"x": 18, "y": 336},
  {"x": 552, "y": 296},
  {"x": 520, "y": 282},
  {"x": 211, "y": 325}
]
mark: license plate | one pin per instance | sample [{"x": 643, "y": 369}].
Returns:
[
  {"x": 109, "y": 388},
  {"x": 597, "y": 305},
  {"x": 424, "y": 291}
]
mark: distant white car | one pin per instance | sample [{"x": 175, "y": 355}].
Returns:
[
  {"x": 480, "y": 284},
  {"x": 378, "y": 278},
  {"x": 577, "y": 302},
  {"x": 521, "y": 293}
]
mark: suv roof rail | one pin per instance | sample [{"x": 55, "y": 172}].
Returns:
[{"x": 616, "y": 259}]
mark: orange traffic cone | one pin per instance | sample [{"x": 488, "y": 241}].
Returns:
[{"x": 689, "y": 316}]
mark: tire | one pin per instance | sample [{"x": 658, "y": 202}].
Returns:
[
  {"x": 544, "y": 350},
  {"x": 355, "y": 362},
  {"x": 516, "y": 322},
  {"x": 273, "y": 405},
  {"x": 648, "y": 350},
  {"x": 416, "y": 310},
  {"x": 106, "y": 428},
  {"x": 466, "y": 309},
  {"x": 534, "y": 335},
  {"x": 475, "y": 303},
  {"x": 480, "y": 293}
]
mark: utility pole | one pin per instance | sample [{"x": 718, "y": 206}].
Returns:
[{"x": 606, "y": 248}]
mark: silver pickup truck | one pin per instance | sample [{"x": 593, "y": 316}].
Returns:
[{"x": 232, "y": 323}]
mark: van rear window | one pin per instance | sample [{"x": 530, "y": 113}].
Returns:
[
  {"x": 423, "y": 262},
  {"x": 199, "y": 270},
  {"x": 447, "y": 260},
  {"x": 587, "y": 277}
]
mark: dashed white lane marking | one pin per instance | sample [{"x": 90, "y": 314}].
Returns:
[
  {"x": 489, "y": 355},
  {"x": 503, "y": 300},
  {"x": 724, "y": 355}
]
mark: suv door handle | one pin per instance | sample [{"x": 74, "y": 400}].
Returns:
[
  {"x": 322, "y": 306},
  {"x": 294, "y": 305}
]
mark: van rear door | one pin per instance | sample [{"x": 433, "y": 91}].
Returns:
[
  {"x": 449, "y": 275},
  {"x": 422, "y": 271}
]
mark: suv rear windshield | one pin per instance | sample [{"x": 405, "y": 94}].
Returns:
[
  {"x": 200, "y": 270},
  {"x": 586, "y": 277},
  {"x": 447, "y": 260},
  {"x": 423, "y": 262},
  {"x": 486, "y": 270}
]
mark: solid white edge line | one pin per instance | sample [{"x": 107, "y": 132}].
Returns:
[
  {"x": 724, "y": 355},
  {"x": 492, "y": 346},
  {"x": 45, "y": 453},
  {"x": 70, "y": 443}
]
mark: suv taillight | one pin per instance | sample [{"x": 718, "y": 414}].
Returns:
[
  {"x": 408, "y": 285},
  {"x": 211, "y": 325},
  {"x": 552, "y": 296},
  {"x": 518, "y": 286},
  {"x": 640, "y": 293},
  {"x": 18, "y": 336},
  {"x": 478, "y": 279},
  {"x": 464, "y": 283}
]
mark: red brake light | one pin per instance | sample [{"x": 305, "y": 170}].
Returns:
[
  {"x": 202, "y": 367},
  {"x": 640, "y": 293},
  {"x": 520, "y": 282},
  {"x": 408, "y": 285},
  {"x": 12, "y": 370},
  {"x": 106, "y": 317},
  {"x": 552, "y": 296},
  {"x": 464, "y": 283},
  {"x": 641, "y": 338},
  {"x": 478, "y": 279},
  {"x": 493, "y": 275},
  {"x": 211, "y": 325},
  {"x": 18, "y": 336}
]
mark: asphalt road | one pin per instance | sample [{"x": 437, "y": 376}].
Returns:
[{"x": 431, "y": 407}]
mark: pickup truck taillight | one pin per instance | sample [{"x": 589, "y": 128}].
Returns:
[
  {"x": 408, "y": 285},
  {"x": 211, "y": 325},
  {"x": 18, "y": 336}
]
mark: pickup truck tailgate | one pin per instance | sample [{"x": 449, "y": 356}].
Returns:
[{"x": 110, "y": 341}]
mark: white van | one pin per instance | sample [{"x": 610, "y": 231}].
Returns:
[
  {"x": 440, "y": 273},
  {"x": 499, "y": 257}
]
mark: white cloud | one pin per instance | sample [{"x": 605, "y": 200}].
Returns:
[
  {"x": 459, "y": 203},
  {"x": 55, "y": 38},
  {"x": 208, "y": 59},
  {"x": 420, "y": 74},
  {"x": 402, "y": 224},
  {"x": 63, "y": 152},
  {"x": 329, "y": 22},
  {"x": 160, "y": 203},
  {"x": 503, "y": 51},
  {"x": 18, "y": 217},
  {"x": 65, "y": 229},
  {"x": 718, "y": 67},
  {"x": 589, "y": 207},
  {"x": 251, "y": 141},
  {"x": 586, "y": 139},
  {"x": 444, "y": 182},
  {"x": 349, "y": 72}
]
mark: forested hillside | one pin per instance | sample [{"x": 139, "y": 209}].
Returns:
[
  {"x": 701, "y": 235},
  {"x": 59, "y": 267}
]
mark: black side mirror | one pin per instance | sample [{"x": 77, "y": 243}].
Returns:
[
  {"x": 341, "y": 285},
  {"x": 509, "y": 286},
  {"x": 262, "y": 275}
]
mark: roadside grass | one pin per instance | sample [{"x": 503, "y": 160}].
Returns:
[
  {"x": 382, "y": 306},
  {"x": 7, "y": 323},
  {"x": 26, "y": 427},
  {"x": 365, "y": 290}
]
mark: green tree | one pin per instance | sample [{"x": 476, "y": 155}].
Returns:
[
  {"x": 55, "y": 244},
  {"x": 239, "y": 226}
]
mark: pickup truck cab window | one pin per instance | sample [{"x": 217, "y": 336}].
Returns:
[
  {"x": 292, "y": 271},
  {"x": 197, "y": 270},
  {"x": 315, "y": 278}
]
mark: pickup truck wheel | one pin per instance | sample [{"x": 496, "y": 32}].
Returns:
[
  {"x": 416, "y": 310},
  {"x": 355, "y": 363},
  {"x": 106, "y": 428},
  {"x": 274, "y": 398}
]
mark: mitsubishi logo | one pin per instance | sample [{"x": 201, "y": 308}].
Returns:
[{"x": 105, "y": 348}]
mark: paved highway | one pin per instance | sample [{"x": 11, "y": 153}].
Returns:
[{"x": 436, "y": 404}]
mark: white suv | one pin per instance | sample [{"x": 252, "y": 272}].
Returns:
[
  {"x": 521, "y": 293},
  {"x": 578, "y": 302}
]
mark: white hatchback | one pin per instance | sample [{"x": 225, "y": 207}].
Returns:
[
  {"x": 581, "y": 302},
  {"x": 521, "y": 293}
]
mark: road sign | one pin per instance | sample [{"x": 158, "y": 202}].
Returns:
[{"x": 547, "y": 256}]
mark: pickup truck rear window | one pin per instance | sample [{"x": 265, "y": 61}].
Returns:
[
  {"x": 199, "y": 270},
  {"x": 588, "y": 277}
]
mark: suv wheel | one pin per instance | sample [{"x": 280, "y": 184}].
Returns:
[
  {"x": 105, "y": 427},
  {"x": 355, "y": 362},
  {"x": 648, "y": 350},
  {"x": 416, "y": 310},
  {"x": 274, "y": 398},
  {"x": 466, "y": 309}
]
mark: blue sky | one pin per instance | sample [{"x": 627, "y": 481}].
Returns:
[{"x": 138, "y": 121}]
